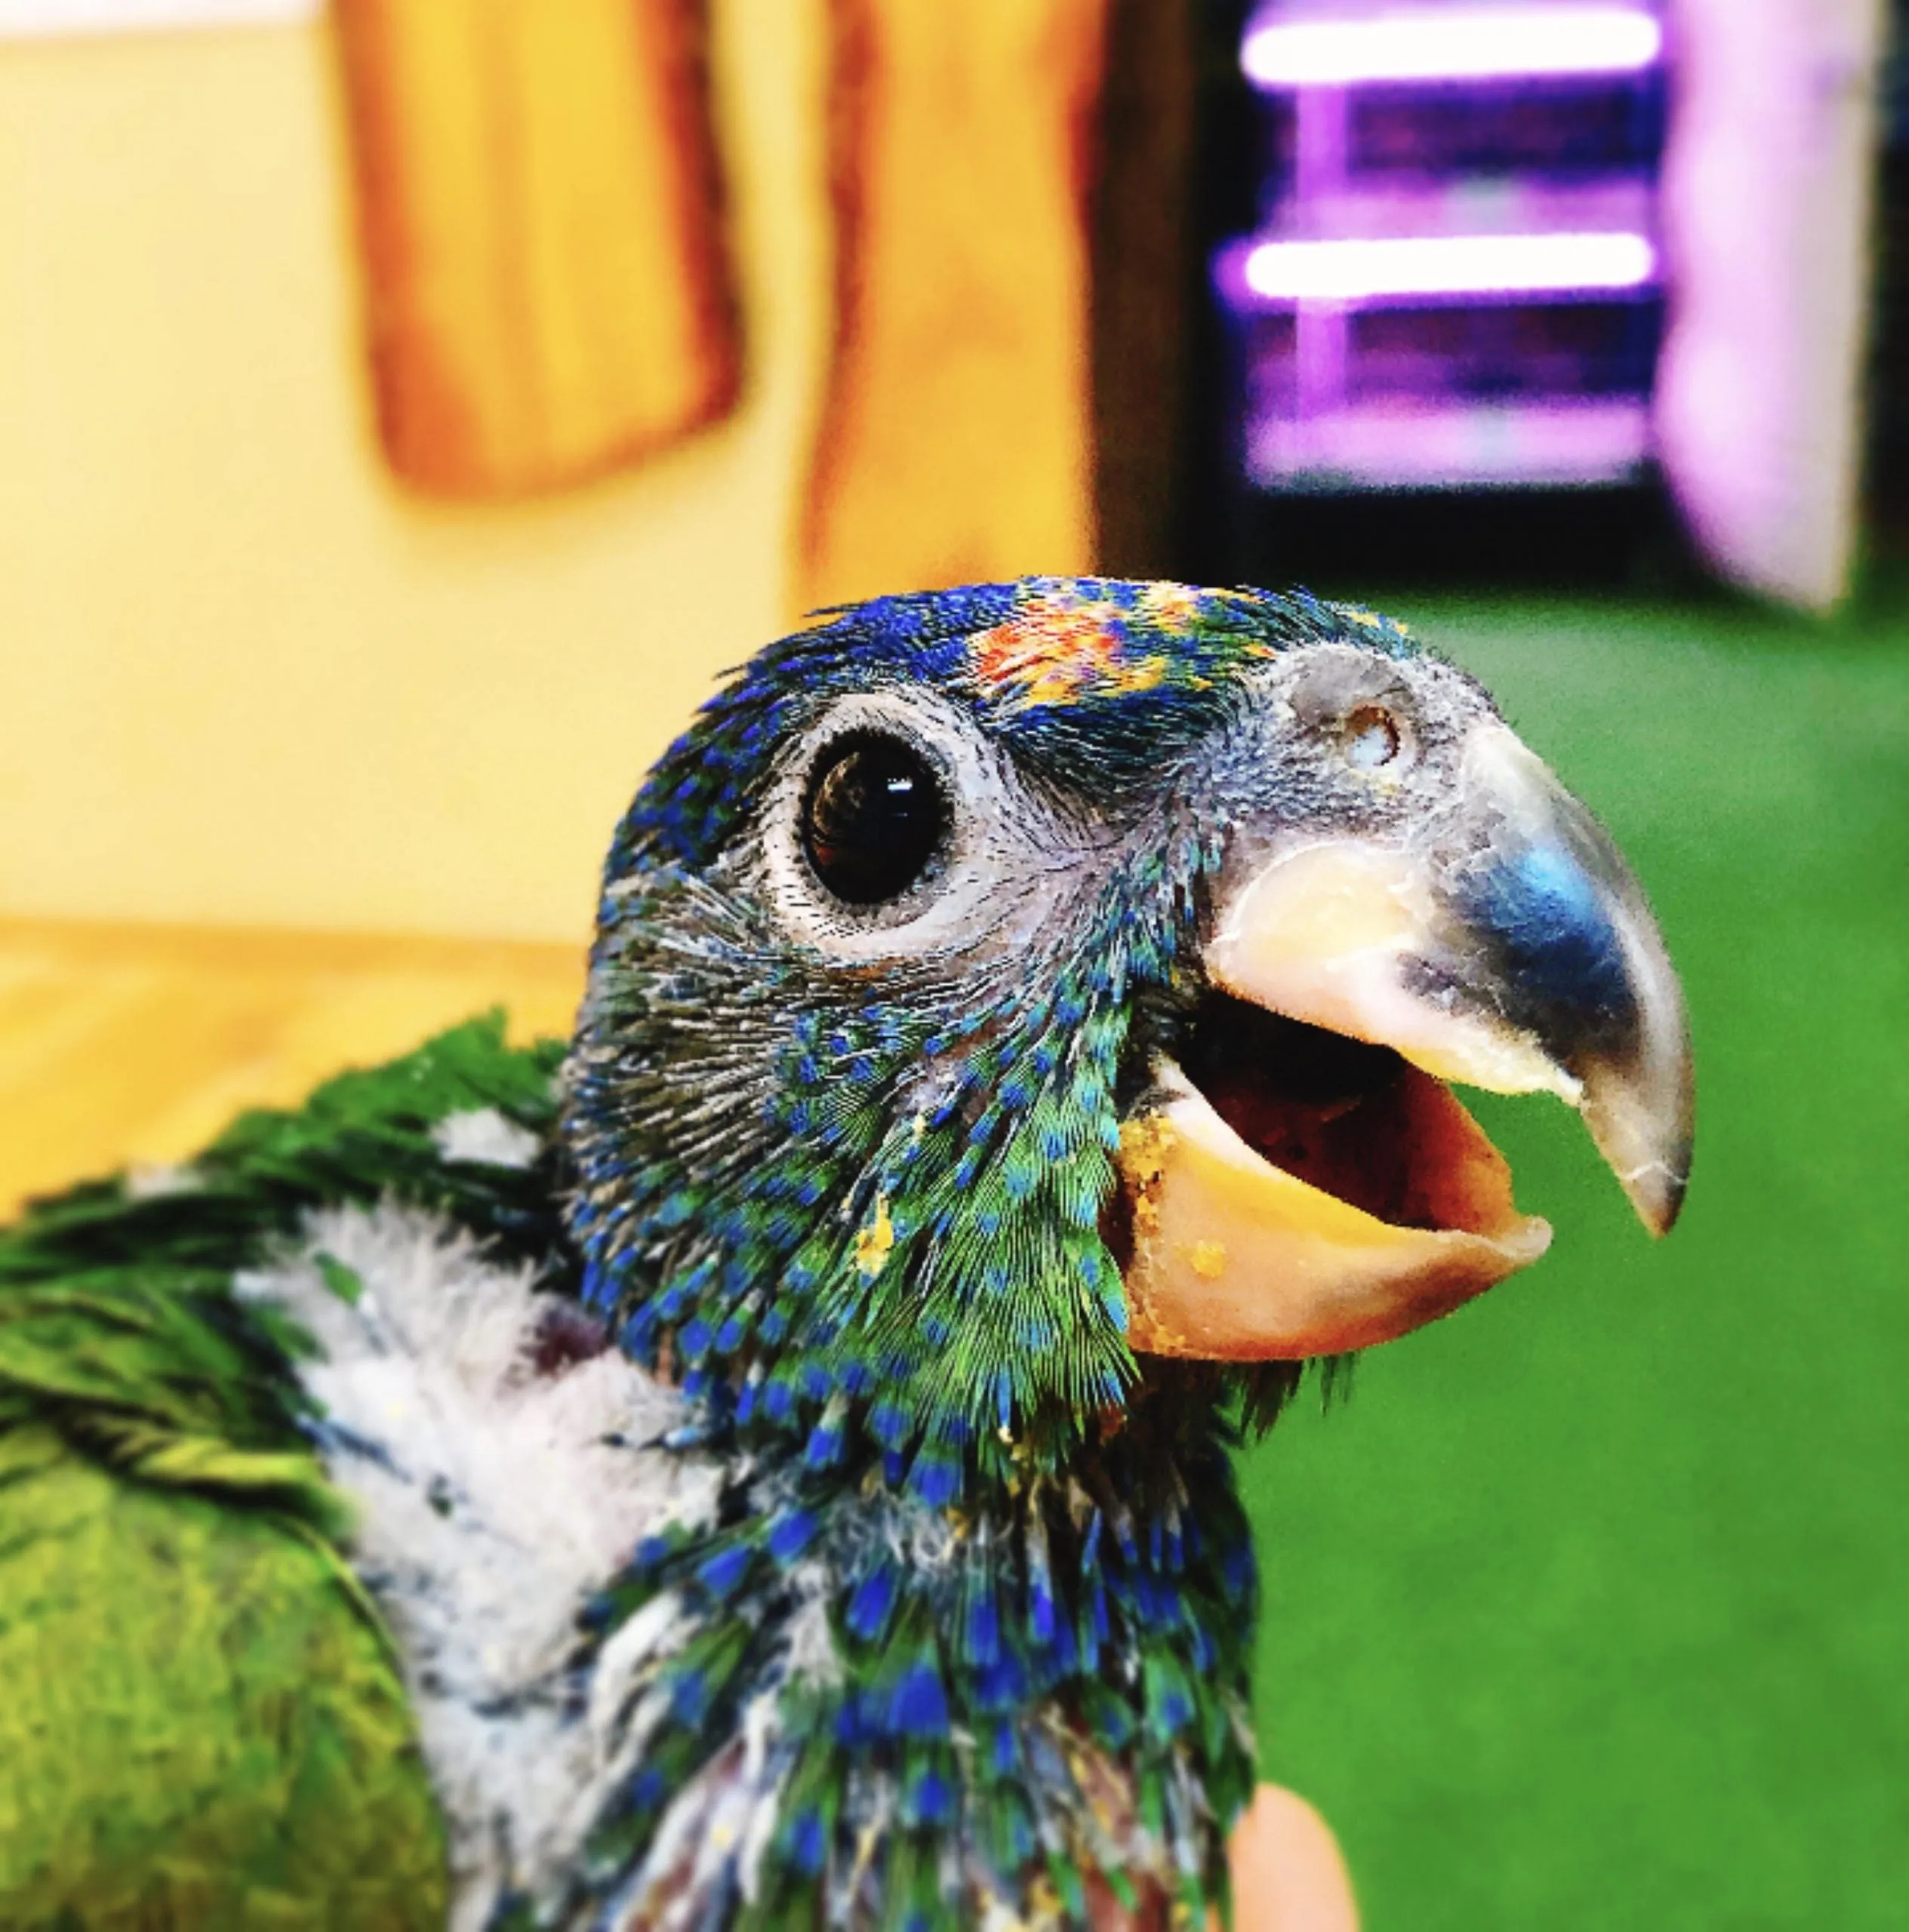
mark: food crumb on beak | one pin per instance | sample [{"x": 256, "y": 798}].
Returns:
[
  {"x": 1145, "y": 1139},
  {"x": 1208, "y": 1259}
]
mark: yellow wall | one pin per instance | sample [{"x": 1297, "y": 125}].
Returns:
[{"x": 242, "y": 678}]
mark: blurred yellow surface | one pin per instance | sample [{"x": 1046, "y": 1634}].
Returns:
[
  {"x": 244, "y": 679},
  {"x": 955, "y": 439},
  {"x": 125, "y": 1044}
]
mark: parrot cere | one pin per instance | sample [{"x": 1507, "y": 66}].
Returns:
[{"x": 767, "y": 1464}]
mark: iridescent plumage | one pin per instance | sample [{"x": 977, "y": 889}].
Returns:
[{"x": 942, "y": 1609}]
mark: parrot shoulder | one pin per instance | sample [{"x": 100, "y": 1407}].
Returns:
[
  {"x": 201, "y": 1724},
  {"x": 213, "y": 1689}
]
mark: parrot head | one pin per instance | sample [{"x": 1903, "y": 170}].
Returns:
[{"x": 1001, "y": 992}]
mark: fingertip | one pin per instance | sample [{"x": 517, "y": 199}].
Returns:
[{"x": 1288, "y": 1874}]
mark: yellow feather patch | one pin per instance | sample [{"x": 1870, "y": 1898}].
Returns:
[{"x": 873, "y": 1242}]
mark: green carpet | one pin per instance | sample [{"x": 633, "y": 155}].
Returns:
[{"x": 1590, "y": 1606}]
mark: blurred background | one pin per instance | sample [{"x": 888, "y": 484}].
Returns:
[{"x": 409, "y": 407}]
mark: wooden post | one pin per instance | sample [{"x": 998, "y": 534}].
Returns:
[
  {"x": 955, "y": 442},
  {"x": 548, "y": 294}
]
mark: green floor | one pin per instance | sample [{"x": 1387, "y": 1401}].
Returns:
[{"x": 1591, "y": 1607}]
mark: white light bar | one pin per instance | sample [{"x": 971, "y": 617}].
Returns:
[
  {"x": 44, "y": 19},
  {"x": 1355, "y": 271},
  {"x": 1474, "y": 43}
]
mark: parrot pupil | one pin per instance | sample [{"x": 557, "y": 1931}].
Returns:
[{"x": 874, "y": 819}]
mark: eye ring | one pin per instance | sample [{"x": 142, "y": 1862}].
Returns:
[
  {"x": 1369, "y": 738},
  {"x": 874, "y": 818}
]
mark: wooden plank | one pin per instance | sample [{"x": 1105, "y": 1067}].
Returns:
[
  {"x": 548, "y": 294},
  {"x": 955, "y": 441},
  {"x": 131, "y": 1045}
]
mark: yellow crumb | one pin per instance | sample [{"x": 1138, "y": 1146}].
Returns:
[
  {"x": 1209, "y": 1259},
  {"x": 1145, "y": 1142},
  {"x": 1143, "y": 1319}
]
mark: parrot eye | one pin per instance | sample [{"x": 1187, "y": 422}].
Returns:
[
  {"x": 874, "y": 817},
  {"x": 1370, "y": 738}
]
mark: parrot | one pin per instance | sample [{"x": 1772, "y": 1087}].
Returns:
[{"x": 767, "y": 1461}]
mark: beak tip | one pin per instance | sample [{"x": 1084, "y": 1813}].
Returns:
[
  {"x": 1656, "y": 1192},
  {"x": 1640, "y": 1109}
]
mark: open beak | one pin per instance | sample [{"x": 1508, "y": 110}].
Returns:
[{"x": 1301, "y": 1181}]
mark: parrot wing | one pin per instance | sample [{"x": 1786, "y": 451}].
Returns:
[{"x": 203, "y": 1722}]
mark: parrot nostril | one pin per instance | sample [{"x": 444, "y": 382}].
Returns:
[{"x": 1371, "y": 738}]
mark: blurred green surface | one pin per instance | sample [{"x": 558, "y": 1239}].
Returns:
[{"x": 1590, "y": 1606}]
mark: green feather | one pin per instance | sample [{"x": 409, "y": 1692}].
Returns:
[
  {"x": 201, "y": 1724},
  {"x": 202, "y": 1721}
]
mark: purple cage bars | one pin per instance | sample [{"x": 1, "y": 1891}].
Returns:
[{"x": 1456, "y": 279}]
